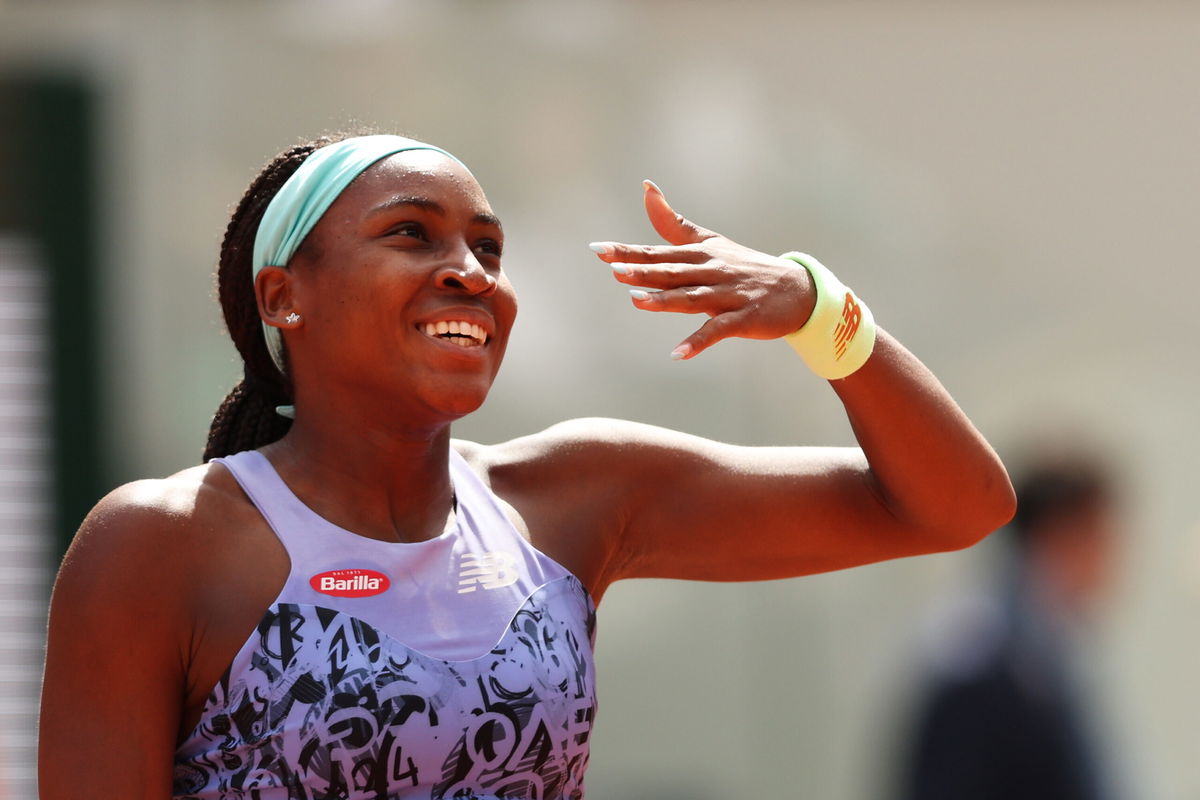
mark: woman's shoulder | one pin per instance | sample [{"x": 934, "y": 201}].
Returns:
[
  {"x": 175, "y": 503},
  {"x": 165, "y": 523},
  {"x": 592, "y": 444},
  {"x": 581, "y": 434}
]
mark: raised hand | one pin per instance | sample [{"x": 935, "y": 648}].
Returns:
[{"x": 745, "y": 293}]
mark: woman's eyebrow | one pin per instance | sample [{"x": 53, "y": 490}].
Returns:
[
  {"x": 488, "y": 219},
  {"x": 423, "y": 203},
  {"x": 432, "y": 206}
]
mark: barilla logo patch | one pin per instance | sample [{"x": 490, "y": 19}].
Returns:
[{"x": 350, "y": 582}]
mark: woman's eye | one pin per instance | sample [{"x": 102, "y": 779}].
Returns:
[
  {"x": 412, "y": 229},
  {"x": 489, "y": 247}
]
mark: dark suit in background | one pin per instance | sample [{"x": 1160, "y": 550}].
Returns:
[{"x": 1001, "y": 714}]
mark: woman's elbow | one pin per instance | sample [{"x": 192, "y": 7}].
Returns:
[{"x": 976, "y": 514}]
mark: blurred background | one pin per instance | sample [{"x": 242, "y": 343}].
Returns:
[{"x": 1012, "y": 187}]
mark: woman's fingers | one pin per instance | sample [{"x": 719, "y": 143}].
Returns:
[
  {"x": 670, "y": 225},
  {"x": 668, "y": 276},
  {"x": 714, "y": 330},
  {"x": 687, "y": 300},
  {"x": 684, "y": 237},
  {"x": 725, "y": 319},
  {"x": 751, "y": 303},
  {"x": 620, "y": 253},
  {"x": 745, "y": 293},
  {"x": 730, "y": 315}
]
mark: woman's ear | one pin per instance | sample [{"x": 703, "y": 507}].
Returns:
[{"x": 273, "y": 291}]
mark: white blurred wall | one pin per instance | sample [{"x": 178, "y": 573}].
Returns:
[{"x": 1013, "y": 187}]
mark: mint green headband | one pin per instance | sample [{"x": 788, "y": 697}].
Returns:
[{"x": 307, "y": 195}]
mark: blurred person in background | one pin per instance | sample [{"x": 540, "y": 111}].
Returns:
[
  {"x": 344, "y": 601},
  {"x": 1004, "y": 713}
]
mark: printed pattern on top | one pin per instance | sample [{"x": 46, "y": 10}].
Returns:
[
  {"x": 458, "y": 667},
  {"x": 322, "y": 706}
]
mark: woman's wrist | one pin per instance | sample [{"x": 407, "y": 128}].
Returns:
[{"x": 839, "y": 335}]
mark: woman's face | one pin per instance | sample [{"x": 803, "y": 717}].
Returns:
[{"x": 400, "y": 288}]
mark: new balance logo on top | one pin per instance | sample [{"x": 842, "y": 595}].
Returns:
[
  {"x": 851, "y": 318},
  {"x": 487, "y": 570}
]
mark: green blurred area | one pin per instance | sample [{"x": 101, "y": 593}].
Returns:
[{"x": 48, "y": 149}]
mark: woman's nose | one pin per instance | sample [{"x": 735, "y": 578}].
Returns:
[{"x": 466, "y": 274}]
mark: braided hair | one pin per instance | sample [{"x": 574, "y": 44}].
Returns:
[{"x": 246, "y": 418}]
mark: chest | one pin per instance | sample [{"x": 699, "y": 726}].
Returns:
[
  {"x": 447, "y": 598},
  {"x": 321, "y": 699}
]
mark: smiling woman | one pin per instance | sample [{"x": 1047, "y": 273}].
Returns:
[
  {"x": 343, "y": 601},
  {"x": 398, "y": 223}
]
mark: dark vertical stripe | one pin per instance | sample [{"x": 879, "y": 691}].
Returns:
[{"x": 48, "y": 163}]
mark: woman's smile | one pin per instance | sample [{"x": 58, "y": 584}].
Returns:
[{"x": 459, "y": 332}]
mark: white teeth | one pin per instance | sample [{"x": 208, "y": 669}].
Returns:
[{"x": 465, "y": 334}]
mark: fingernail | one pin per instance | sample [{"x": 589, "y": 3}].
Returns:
[
  {"x": 680, "y": 353},
  {"x": 599, "y": 247},
  {"x": 651, "y": 185},
  {"x": 620, "y": 269},
  {"x": 638, "y": 294}
]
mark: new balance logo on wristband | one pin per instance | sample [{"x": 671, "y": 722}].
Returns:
[
  {"x": 487, "y": 570},
  {"x": 350, "y": 582},
  {"x": 847, "y": 327},
  {"x": 838, "y": 337}
]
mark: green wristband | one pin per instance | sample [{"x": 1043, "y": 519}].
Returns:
[{"x": 840, "y": 335}]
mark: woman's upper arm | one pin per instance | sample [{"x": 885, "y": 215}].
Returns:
[
  {"x": 671, "y": 505},
  {"x": 115, "y": 659},
  {"x": 614, "y": 499},
  {"x": 698, "y": 509}
]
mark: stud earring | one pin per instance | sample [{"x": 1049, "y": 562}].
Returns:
[{"x": 292, "y": 318}]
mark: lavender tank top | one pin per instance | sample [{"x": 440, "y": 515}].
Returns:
[{"x": 459, "y": 667}]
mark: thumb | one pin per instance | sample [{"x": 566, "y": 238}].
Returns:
[{"x": 670, "y": 225}]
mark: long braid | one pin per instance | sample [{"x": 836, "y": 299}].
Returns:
[{"x": 246, "y": 418}]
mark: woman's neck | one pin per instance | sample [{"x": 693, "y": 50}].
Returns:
[{"x": 392, "y": 485}]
